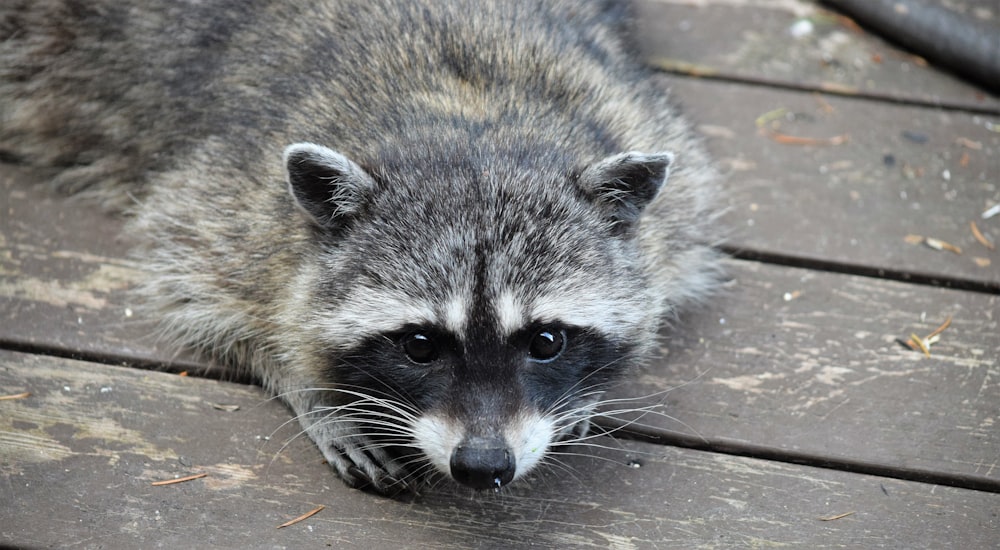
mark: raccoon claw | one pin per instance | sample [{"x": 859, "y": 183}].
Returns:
[
  {"x": 356, "y": 478},
  {"x": 361, "y": 462},
  {"x": 370, "y": 478},
  {"x": 379, "y": 474},
  {"x": 386, "y": 485}
]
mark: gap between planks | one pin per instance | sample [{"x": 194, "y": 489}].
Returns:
[
  {"x": 621, "y": 429},
  {"x": 693, "y": 72},
  {"x": 627, "y": 431},
  {"x": 872, "y": 272}
]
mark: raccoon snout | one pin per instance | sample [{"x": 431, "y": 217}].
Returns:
[{"x": 483, "y": 463}]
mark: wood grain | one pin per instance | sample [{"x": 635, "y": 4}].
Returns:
[
  {"x": 809, "y": 363},
  {"x": 78, "y": 458},
  {"x": 752, "y": 40},
  {"x": 903, "y": 171},
  {"x": 820, "y": 375},
  {"x": 786, "y": 365},
  {"x": 65, "y": 276}
]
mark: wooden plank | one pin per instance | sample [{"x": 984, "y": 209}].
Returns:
[
  {"x": 809, "y": 363},
  {"x": 753, "y": 40},
  {"x": 840, "y": 204},
  {"x": 64, "y": 278},
  {"x": 77, "y": 459},
  {"x": 780, "y": 375},
  {"x": 903, "y": 171}
]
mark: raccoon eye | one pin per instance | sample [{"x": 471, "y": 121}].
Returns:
[
  {"x": 419, "y": 348},
  {"x": 547, "y": 344}
]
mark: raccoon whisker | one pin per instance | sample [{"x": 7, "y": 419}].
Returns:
[
  {"x": 577, "y": 394},
  {"x": 415, "y": 463},
  {"x": 400, "y": 428},
  {"x": 331, "y": 414},
  {"x": 416, "y": 466},
  {"x": 615, "y": 413},
  {"x": 365, "y": 425},
  {"x": 394, "y": 396},
  {"x": 562, "y": 410},
  {"x": 589, "y": 411},
  {"x": 360, "y": 410},
  {"x": 381, "y": 444},
  {"x": 645, "y": 409},
  {"x": 660, "y": 395},
  {"x": 618, "y": 447},
  {"x": 362, "y": 435},
  {"x": 347, "y": 362},
  {"x": 586, "y": 414},
  {"x": 434, "y": 477},
  {"x": 639, "y": 398},
  {"x": 363, "y": 414},
  {"x": 363, "y": 390},
  {"x": 582, "y": 439},
  {"x": 584, "y": 393},
  {"x": 402, "y": 408},
  {"x": 553, "y": 461},
  {"x": 554, "y": 454},
  {"x": 382, "y": 431},
  {"x": 557, "y": 452},
  {"x": 636, "y": 422},
  {"x": 572, "y": 392}
]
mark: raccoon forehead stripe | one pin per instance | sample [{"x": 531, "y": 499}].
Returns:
[
  {"x": 604, "y": 314},
  {"x": 454, "y": 312},
  {"x": 509, "y": 313},
  {"x": 368, "y": 312}
]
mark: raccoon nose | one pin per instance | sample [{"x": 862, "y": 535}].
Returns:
[{"x": 482, "y": 463}]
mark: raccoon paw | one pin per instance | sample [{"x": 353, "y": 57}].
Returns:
[{"x": 359, "y": 460}]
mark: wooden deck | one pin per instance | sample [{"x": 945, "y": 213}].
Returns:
[{"x": 797, "y": 418}]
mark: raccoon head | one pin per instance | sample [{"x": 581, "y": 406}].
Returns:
[{"x": 476, "y": 315}]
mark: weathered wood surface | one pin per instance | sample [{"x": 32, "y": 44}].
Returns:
[
  {"x": 753, "y": 40},
  {"x": 854, "y": 203},
  {"x": 62, "y": 262},
  {"x": 815, "y": 376},
  {"x": 808, "y": 363},
  {"x": 64, "y": 278},
  {"x": 78, "y": 456}
]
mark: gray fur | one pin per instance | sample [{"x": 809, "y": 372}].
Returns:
[{"x": 490, "y": 165}]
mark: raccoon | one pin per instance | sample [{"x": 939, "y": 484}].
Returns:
[{"x": 438, "y": 230}]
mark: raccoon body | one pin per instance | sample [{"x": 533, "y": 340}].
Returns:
[{"x": 438, "y": 230}]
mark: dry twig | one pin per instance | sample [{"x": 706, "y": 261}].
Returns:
[
  {"x": 304, "y": 516},
  {"x": 178, "y": 480},
  {"x": 22, "y": 395},
  {"x": 980, "y": 237},
  {"x": 838, "y": 516},
  {"x": 938, "y": 244}
]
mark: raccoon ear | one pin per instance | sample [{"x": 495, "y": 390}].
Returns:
[
  {"x": 624, "y": 184},
  {"x": 327, "y": 186}
]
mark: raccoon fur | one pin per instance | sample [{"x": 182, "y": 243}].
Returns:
[{"x": 439, "y": 230}]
